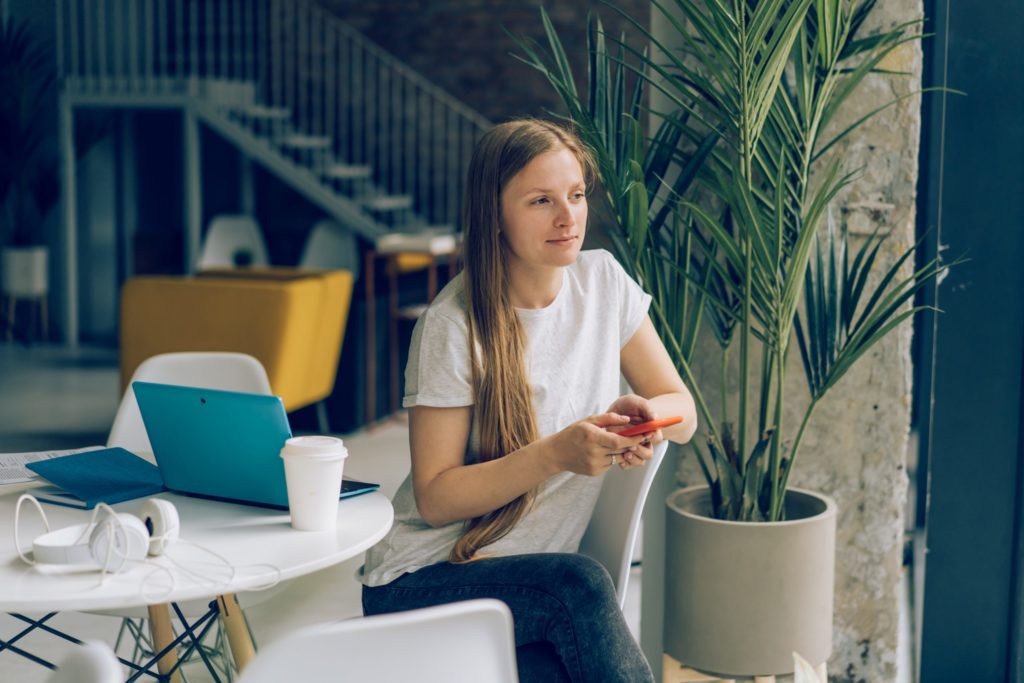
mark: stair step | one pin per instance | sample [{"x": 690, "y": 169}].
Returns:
[
  {"x": 389, "y": 202},
  {"x": 347, "y": 172},
  {"x": 303, "y": 141},
  {"x": 260, "y": 111}
]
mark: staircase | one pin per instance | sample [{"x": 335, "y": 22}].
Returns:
[{"x": 358, "y": 133}]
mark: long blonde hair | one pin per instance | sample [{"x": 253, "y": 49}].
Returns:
[{"x": 503, "y": 400}]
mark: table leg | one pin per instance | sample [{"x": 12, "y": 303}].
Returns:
[
  {"x": 239, "y": 640},
  {"x": 163, "y": 635}
]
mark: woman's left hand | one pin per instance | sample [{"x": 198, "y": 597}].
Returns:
[{"x": 639, "y": 410}]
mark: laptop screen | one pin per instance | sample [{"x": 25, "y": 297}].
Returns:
[{"x": 217, "y": 444}]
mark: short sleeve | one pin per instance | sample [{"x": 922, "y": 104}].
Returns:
[
  {"x": 634, "y": 302},
  {"x": 438, "y": 372}
]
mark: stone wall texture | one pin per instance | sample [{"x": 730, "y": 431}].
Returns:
[{"x": 855, "y": 449}]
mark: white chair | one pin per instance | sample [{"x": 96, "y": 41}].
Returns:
[
  {"x": 331, "y": 246},
  {"x": 614, "y": 526},
  {"x": 92, "y": 662},
  {"x": 208, "y": 370},
  {"x": 461, "y": 642},
  {"x": 233, "y": 240}
]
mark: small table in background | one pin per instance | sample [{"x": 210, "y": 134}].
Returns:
[{"x": 402, "y": 253}]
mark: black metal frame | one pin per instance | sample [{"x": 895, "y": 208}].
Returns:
[{"x": 195, "y": 632}]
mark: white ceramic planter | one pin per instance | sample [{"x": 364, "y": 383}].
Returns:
[
  {"x": 742, "y": 597},
  {"x": 25, "y": 271}
]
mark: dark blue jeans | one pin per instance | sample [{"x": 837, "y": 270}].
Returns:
[{"x": 567, "y": 619}]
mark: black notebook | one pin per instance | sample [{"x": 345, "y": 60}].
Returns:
[{"x": 109, "y": 475}]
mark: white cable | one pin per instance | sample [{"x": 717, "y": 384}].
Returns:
[
  {"x": 170, "y": 536},
  {"x": 17, "y": 516}
]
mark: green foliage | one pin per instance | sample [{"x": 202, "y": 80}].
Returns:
[{"x": 717, "y": 214}]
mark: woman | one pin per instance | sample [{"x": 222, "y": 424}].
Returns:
[{"x": 509, "y": 443}]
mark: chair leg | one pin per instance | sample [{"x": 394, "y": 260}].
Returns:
[
  {"x": 45, "y": 320},
  {"x": 322, "y": 419},
  {"x": 33, "y": 321},
  {"x": 10, "y": 317}
]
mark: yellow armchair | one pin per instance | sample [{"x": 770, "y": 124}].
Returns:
[{"x": 292, "y": 321}]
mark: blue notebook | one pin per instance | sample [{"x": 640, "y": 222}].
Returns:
[{"x": 109, "y": 475}]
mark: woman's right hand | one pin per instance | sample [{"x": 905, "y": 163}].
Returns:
[{"x": 586, "y": 447}]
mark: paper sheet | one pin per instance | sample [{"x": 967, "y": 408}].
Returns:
[{"x": 12, "y": 465}]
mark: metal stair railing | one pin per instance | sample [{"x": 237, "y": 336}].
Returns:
[{"x": 367, "y": 127}]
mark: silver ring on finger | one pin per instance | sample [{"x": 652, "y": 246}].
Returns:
[{"x": 614, "y": 460}]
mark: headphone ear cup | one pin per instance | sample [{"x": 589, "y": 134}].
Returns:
[
  {"x": 160, "y": 519},
  {"x": 117, "y": 540}
]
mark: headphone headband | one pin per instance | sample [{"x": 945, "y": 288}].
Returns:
[{"x": 112, "y": 542}]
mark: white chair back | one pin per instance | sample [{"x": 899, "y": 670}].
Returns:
[
  {"x": 331, "y": 246},
  {"x": 92, "y": 662},
  {"x": 614, "y": 526},
  {"x": 461, "y": 642},
  {"x": 233, "y": 240},
  {"x": 208, "y": 370}
]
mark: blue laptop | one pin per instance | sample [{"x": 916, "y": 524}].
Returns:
[{"x": 221, "y": 444}]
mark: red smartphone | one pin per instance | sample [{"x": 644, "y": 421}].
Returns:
[{"x": 651, "y": 426}]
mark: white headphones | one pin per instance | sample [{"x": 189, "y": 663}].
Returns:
[{"x": 110, "y": 543}]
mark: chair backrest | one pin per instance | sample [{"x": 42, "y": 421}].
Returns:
[
  {"x": 331, "y": 246},
  {"x": 233, "y": 240},
  {"x": 92, "y": 662},
  {"x": 209, "y": 370},
  {"x": 461, "y": 642},
  {"x": 614, "y": 526}
]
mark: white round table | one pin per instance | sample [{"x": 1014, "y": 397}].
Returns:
[{"x": 259, "y": 543}]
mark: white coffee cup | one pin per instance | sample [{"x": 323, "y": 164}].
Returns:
[{"x": 312, "y": 469}]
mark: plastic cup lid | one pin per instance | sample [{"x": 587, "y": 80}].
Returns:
[{"x": 328, "y": 447}]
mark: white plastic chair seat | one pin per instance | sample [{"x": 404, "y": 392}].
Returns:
[
  {"x": 331, "y": 246},
  {"x": 208, "y": 370},
  {"x": 230, "y": 239},
  {"x": 92, "y": 662},
  {"x": 461, "y": 642}
]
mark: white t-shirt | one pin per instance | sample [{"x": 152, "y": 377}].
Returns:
[{"x": 572, "y": 360}]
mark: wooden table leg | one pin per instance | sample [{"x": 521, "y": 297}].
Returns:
[
  {"x": 163, "y": 634},
  {"x": 242, "y": 648}
]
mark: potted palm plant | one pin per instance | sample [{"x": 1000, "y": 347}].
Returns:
[
  {"x": 720, "y": 218},
  {"x": 29, "y": 185}
]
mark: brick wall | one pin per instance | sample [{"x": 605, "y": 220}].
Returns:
[{"x": 462, "y": 45}]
